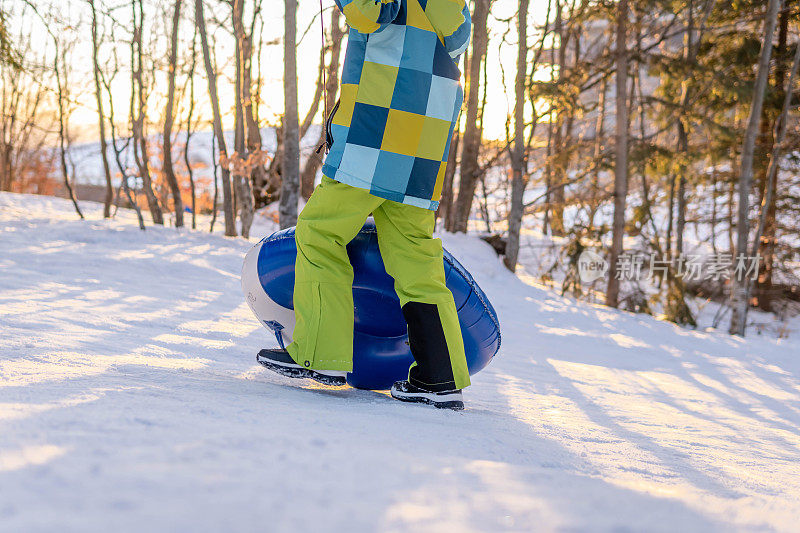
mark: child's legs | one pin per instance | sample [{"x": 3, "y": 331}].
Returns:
[
  {"x": 414, "y": 259},
  {"x": 323, "y": 287}
]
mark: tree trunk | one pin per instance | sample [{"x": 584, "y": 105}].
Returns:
[
  {"x": 683, "y": 135},
  {"x": 169, "y": 171},
  {"x": 447, "y": 208},
  {"x": 599, "y": 132},
  {"x": 290, "y": 167},
  {"x": 766, "y": 237},
  {"x": 690, "y": 49},
  {"x": 518, "y": 160},
  {"x": 714, "y": 206},
  {"x": 62, "y": 127},
  {"x": 675, "y": 293},
  {"x": 237, "y": 158},
  {"x": 5, "y": 164},
  {"x": 314, "y": 160},
  {"x": 211, "y": 76},
  {"x": 731, "y": 216},
  {"x": 251, "y": 156},
  {"x": 274, "y": 168},
  {"x": 762, "y": 239},
  {"x": 548, "y": 174},
  {"x": 559, "y": 161},
  {"x": 190, "y": 114},
  {"x": 259, "y": 189},
  {"x": 445, "y": 211},
  {"x": 318, "y": 92},
  {"x": 636, "y": 87},
  {"x": 118, "y": 154},
  {"x": 100, "y": 116},
  {"x": 138, "y": 113},
  {"x": 472, "y": 133},
  {"x": 670, "y": 218},
  {"x": 215, "y": 164},
  {"x": 621, "y": 160},
  {"x": 680, "y": 220},
  {"x": 739, "y": 287}
]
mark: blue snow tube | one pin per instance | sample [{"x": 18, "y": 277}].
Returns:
[{"x": 381, "y": 354}]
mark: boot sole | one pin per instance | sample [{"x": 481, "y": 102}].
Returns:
[
  {"x": 302, "y": 373},
  {"x": 454, "y": 405}
]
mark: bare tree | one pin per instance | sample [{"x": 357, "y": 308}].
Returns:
[
  {"x": 691, "y": 46},
  {"x": 266, "y": 181},
  {"x": 290, "y": 168},
  {"x": 331, "y": 83},
  {"x": 211, "y": 76},
  {"x": 169, "y": 170},
  {"x": 518, "y": 159},
  {"x": 138, "y": 111},
  {"x": 781, "y": 126},
  {"x": 250, "y": 164},
  {"x": 124, "y": 174},
  {"x": 445, "y": 210},
  {"x": 595, "y": 199},
  {"x": 189, "y": 132},
  {"x": 676, "y": 308},
  {"x": 740, "y": 286},
  {"x": 621, "y": 161},
  {"x": 471, "y": 142},
  {"x": 215, "y": 164},
  {"x": 557, "y": 163},
  {"x": 22, "y": 122},
  {"x": 100, "y": 116},
  {"x": 766, "y": 238},
  {"x": 64, "y": 109}
]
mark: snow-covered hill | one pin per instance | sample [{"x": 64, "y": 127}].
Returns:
[{"x": 130, "y": 401}]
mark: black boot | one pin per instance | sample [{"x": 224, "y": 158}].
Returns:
[
  {"x": 279, "y": 360},
  {"x": 406, "y": 392}
]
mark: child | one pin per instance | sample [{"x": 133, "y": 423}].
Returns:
[{"x": 400, "y": 98}]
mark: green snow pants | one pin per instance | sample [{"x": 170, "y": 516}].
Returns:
[{"x": 323, "y": 289}]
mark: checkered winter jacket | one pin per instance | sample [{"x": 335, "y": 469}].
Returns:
[{"x": 400, "y": 97}]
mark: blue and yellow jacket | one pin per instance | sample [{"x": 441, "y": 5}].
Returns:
[{"x": 400, "y": 97}]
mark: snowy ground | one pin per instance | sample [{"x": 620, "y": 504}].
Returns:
[{"x": 130, "y": 401}]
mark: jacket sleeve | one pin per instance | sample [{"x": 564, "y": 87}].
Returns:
[
  {"x": 456, "y": 43},
  {"x": 368, "y": 16}
]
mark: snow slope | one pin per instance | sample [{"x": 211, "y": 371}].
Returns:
[{"x": 130, "y": 401}]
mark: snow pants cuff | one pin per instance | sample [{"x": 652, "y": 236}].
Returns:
[{"x": 323, "y": 338}]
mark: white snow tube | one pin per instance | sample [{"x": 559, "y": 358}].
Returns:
[{"x": 280, "y": 320}]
